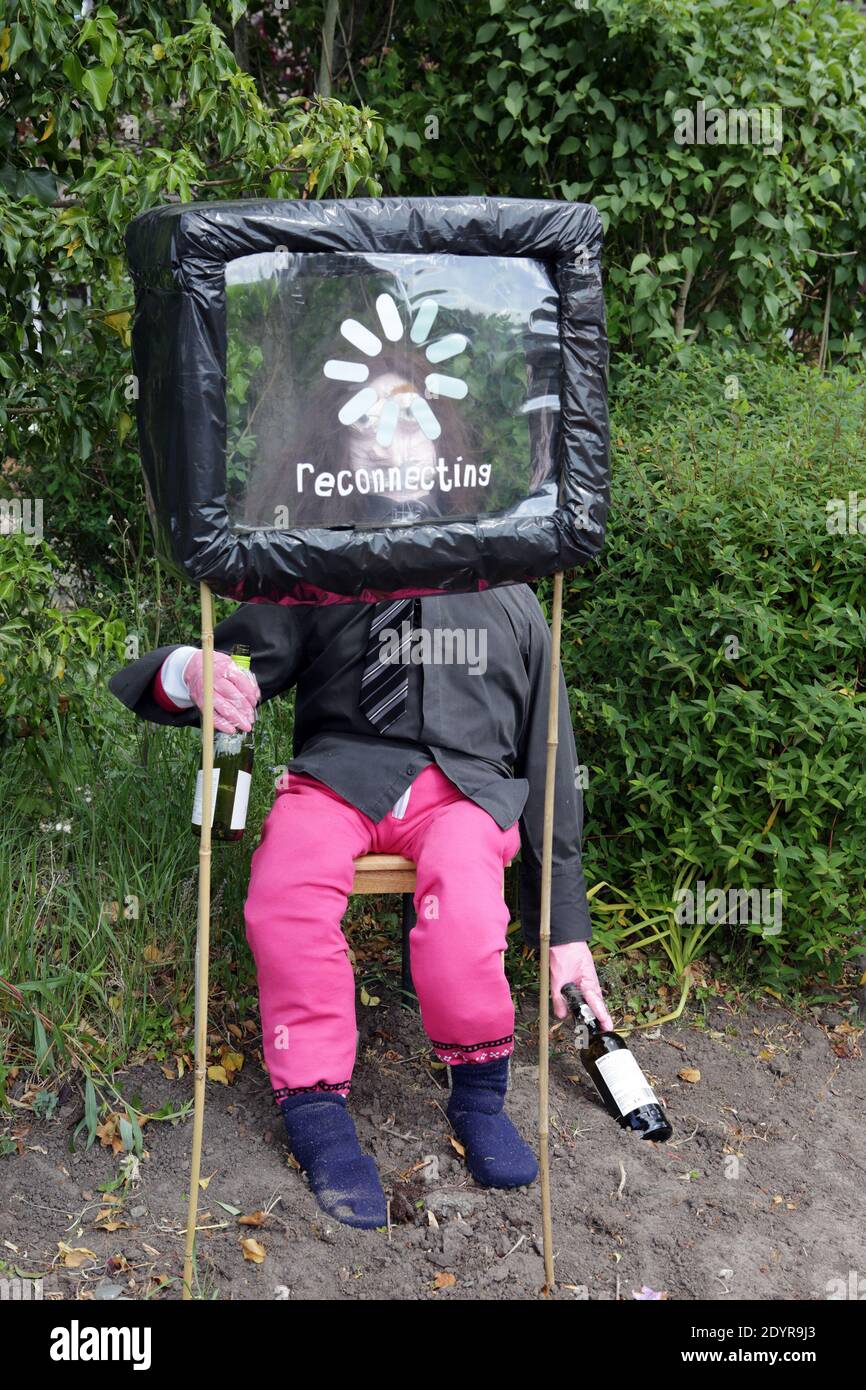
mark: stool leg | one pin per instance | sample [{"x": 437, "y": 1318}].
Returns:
[{"x": 408, "y": 924}]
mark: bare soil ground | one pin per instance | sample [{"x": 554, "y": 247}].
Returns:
[{"x": 759, "y": 1195}]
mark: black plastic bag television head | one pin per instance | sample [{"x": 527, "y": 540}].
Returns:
[{"x": 357, "y": 398}]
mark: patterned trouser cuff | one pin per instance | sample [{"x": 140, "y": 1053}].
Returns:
[
  {"x": 454, "y": 1053},
  {"x": 285, "y": 1091}
]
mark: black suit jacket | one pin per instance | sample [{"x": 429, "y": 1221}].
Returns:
[{"x": 485, "y": 728}]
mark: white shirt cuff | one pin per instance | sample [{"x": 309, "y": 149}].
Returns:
[{"x": 171, "y": 675}]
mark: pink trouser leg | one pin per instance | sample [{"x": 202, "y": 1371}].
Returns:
[
  {"x": 458, "y": 944},
  {"x": 301, "y": 876}
]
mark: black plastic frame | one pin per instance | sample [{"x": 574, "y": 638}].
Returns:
[{"x": 177, "y": 256}]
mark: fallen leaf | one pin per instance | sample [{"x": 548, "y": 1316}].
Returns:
[
  {"x": 444, "y": 1280},
  {"x": 253, "y": 1250},
  {"x": 203, "y": 1182},
  {"x": 109, "y": 1134},
  {"x": 218, "y": 1074},
  {"x": 75, "y": 1256},
  {"x": 232, "y": 1061},
  {"x": 689, "y": 1074},
  {"x": 455, "y": 1144},
  {"x": 255, "y": 1218}
]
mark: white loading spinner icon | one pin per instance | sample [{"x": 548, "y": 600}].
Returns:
[{"x": 365, "y": 402}]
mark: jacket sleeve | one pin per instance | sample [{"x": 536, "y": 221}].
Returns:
[
  {"x": 569, "y": 907},
  {"x": 274, "y": 635}
]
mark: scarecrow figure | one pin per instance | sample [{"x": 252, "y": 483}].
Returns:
[
  {"x": 443, "y": 763},
  {"x": 356, "y": 419}
]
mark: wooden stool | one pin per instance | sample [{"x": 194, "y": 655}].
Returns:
[{"x": 391, "y": 873}]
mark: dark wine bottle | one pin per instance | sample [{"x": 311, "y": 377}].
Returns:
[
  {"x": 232, "y": 776},
  {"x": 625, "y": 1091}
]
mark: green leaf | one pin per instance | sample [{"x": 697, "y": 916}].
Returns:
[
  {"x": 73, "y": 70},
  {"x": 351, "y": 176},
  {"x": 640, "y": 261},
  {"x": 767, "y": 219},
  {"x": 41, "y": 1044},
  {"x": 91, "y": 1111},
  {"x": 740, "y": 213},
  {"x": 98, "y": 82},
  {"x": 29, "y": 183},
  {"x": 514, "y": 99},
  {"x": 19, "y": 42}
]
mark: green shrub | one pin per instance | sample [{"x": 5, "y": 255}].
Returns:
[
  {"x": 715, "y": 655},
  {"x": 582, "y": 101},
  {"x": 50, "y": 657}
]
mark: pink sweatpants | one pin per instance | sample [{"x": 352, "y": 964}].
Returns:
[{"x": 302, "y": 873}]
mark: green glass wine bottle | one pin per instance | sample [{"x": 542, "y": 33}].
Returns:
[
  {"x": 625, "y": 1091},
  {"x": 232, "y": 776}
]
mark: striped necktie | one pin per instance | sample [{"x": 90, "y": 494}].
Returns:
[{"x": 385, "y": 684}]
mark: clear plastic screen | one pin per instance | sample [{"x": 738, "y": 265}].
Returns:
[{"x": 367, "y": 390}]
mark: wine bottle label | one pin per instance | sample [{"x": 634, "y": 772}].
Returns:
[
  {"x": 196, "y": 805},
  {"x": 242, "y": 800},
  {"x": 239, "y": 805},
  {"x": 625, "y": 1081}
]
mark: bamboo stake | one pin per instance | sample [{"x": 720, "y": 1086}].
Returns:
[
  {"x": 544, "y": 931},
  {"x": 202, "y": 943}
]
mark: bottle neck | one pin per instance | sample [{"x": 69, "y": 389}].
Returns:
[
  {"x": 580, "y": 1010},
  {"x": 589, "y": 1018}
]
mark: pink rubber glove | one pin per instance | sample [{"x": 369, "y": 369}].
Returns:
[
  {"x": 235, "y": 692},
  {"x": 572, "y": 964}
]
